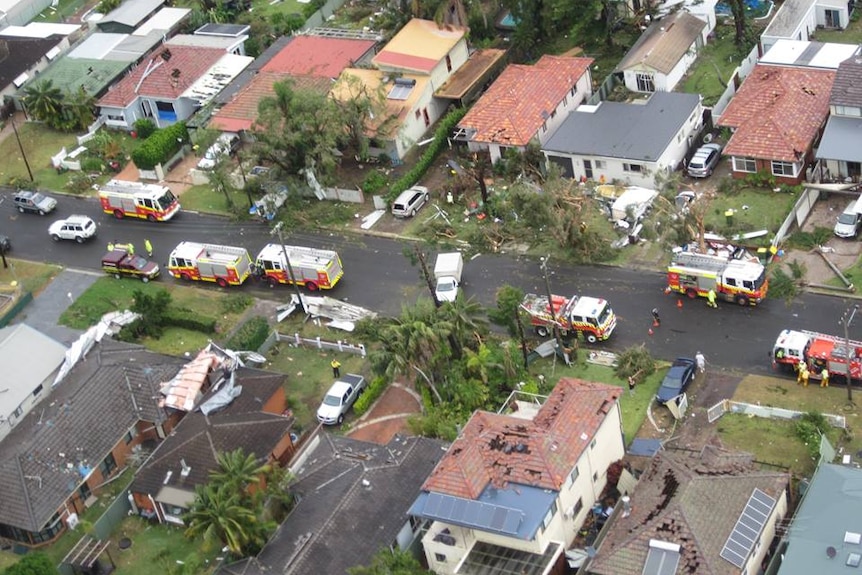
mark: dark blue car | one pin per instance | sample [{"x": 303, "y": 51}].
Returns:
[{"x": 678, "y": 378}]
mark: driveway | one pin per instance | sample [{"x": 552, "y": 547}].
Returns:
[
  {"x": 43, "y": 313},
  {"x": 388, "y": 416}
]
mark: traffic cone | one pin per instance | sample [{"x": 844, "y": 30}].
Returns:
[
  {"x": 679, "y": 303},
  {"x": 650, "y": 331},
  {"x": 655, "y": 323}
]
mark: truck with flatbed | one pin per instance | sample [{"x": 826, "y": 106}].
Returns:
[
  {"x": 590, "y": 317},
  {"x": 120, "y": 263}
]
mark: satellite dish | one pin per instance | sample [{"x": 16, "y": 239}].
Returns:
[{"x": 831, "y": 552}]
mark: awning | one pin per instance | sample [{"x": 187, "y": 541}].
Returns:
[
  {"x": 176, "y": 497},
  {"x": 841, "y": 140}
]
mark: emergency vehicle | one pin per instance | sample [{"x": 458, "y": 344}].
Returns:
[
  {"x": 313, "y": 268},
  {"x": 590, "y": 317},
  {"x": 817, "y": 350},
  {"x": 136, "y": 200},
  {"x": 224, "y": 265},
  {"x": 733, "y": 279}
]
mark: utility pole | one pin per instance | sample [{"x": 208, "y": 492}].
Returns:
[
  {"x": 557, "y": 335},
  {"x": 521, "y": 337},
  {"x": 277, "y": 230},
  {"x": 20, "y": 147},
  {"x": 847, "y": 319}
]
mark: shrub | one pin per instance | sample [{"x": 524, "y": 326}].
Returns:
[
  {"x": 509, "y": 299},
  {"x": 635, "y": 362},
  {"x": 375, "y": 389},
  {"x": 79, "y": 183},
  {"x": 187, "y": 319},
  {"x": 251, "y": 335},
  {"x": 160, "y": 146},
  {"x": 809, "y": 428},
  {"x": 374, "y": 182},
  {"x": 236, "y": 303},
  {"x": 92, "y": 165},
  {"x": 144, "y": 128}
]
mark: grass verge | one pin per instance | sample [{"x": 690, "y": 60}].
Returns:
[
  {"x": 31, "y": 276},
  {"x": 39, "y": 143}
]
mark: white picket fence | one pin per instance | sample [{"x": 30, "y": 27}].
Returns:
[
  {"x": 317, "y": 342},
  {"x": 725, "y": 406}
]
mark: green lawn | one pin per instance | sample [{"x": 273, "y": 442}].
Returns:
[
  {"x": 204, "y": 198},
  {"x": 39, "y": 143},
  {"x": 32, "y": 276},
  {"x": 65, "y": 8},
  {"x": 268, "y": 7},
  {"x": 851, "y": 35},
  {"x": 754, "y": 209}
]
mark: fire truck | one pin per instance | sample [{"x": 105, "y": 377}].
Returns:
[
  {"x": 589, "y": 317},
  {"x": 224, "y": 265},
  {"x": 817, "y": 350},
  {"x": 136, "y": 200},
  {"x": 733, "y": 279},
  {"x": 313, "y": 268}
]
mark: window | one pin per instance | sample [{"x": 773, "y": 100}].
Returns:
[
  {"x": 549, "y": 516},
  {"x": 679, "y": 138},
  {"x": 600, "y": 164},
  {"x": 636, "y": 168},
  {"x": 565, "y": 101},
  {"x": 18, "y": 412},
  {"x": 439, "y": 557},
  {"x": 84, "y": 492},
  {"x": 37, "y": 391},
  {"x": 578, "y": 506},
  {"x": 573, "y": 476},
  {"x": 593, "y": 444},
  {"x": 108, "y": 465},
  {"x": 595, "y": 476},
  {"x": 848, "y": 111},
  {"x": 645, "y": 82},
  {"x": 132, "y": 433},
  {"x": 554, "y": 114},
  {"x": 544, "y": 127},
  {"x": 744, "y": 165},
  {"x": 783, "y": 169},
  {"x": 448, "y": 63}
]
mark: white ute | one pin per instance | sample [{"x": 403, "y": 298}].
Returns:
[{"x": 447, "y": 273}]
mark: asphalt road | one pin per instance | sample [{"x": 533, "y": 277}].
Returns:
[{"x": 378, "y": 276}]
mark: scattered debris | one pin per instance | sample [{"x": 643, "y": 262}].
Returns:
[{"x": 343, "y": 315}]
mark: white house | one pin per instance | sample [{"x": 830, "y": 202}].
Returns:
[
  {"x": 25, "y": 383},
  {"x": 526, "y": 103},
  {"x": 626, "y": 142},
  {"x": 840, "y": 149},
  {"x": 517, "y": 486},
  {"x": 663, "y": 53}
]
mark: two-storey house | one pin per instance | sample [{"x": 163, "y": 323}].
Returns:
[{"x": 840, "y": 150}]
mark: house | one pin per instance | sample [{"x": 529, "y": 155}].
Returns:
[
  {"x": 227, "y": 43},
  {"x": 526, "y": 104},
  {"x": 514, "y": 488},
  {"x": 827, "y": 55},
  {"x": 167, "y": 21},
  {"x": 626, "y": 142},
  {"x": 310, "y": 61},
  {"x": 468, "y": 81},
  {"x": 824, "y": 535},
  {"x": 663, "y": 53},
  {"x": 130, "y": 14},
  {"x": 253, "y": 421},
  {"x": 711, "y": 513},
  {"x": 840, "y": 149},
  {"x": 25, "y": 383},
  {"x": 19, "y": 12},
  {"x": 777, "y": 117},
  {"x": 23, "y": 58},
  {"x": 170, "y": 85},
  {"x": 352, "y": 500},
  {"x": 703, "y": 9},
  {"x": 797, "y": 20},
  {"x": 56, "y": 457}
]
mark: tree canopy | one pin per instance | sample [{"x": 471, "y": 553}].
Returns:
[{"x": 32, "y": 564}]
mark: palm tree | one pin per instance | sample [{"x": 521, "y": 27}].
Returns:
[
  {"x": 238, "y": 470},
  {"x": 219, "y": 514},
  {"x": 466, "y": 318},
  {"x": 79, "y": 109},
  {"x": 43, "y": 101}
]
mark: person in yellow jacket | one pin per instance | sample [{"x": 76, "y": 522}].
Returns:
[
  {"x": 710, "y": 299},
  {"x": 149, "y": 247},
  {"x": 824, "y": 378}
]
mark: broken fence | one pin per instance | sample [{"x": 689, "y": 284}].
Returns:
[
  {"x": 319, "y": 343},
  {"x": 724, "y": 406}
]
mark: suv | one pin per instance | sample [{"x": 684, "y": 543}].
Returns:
[
  {"x": 409, "y": 202},
  {"x": 704, "y": 160},
  {"x": 34, "y": 202},
  {"x": 78, "y": 228},
  {"x": 340, "y": 398}
]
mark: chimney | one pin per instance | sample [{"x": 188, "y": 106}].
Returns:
[{"x": 186, "y": 469}]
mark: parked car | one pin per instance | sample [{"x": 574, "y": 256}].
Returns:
[
  {"x": 78, "y": 228},
  {"x": 34, "y": 202},
  {"x": 340, "y": 398},
  {"x": 850, "y": 219},
  {"x": 408, "y": 203},
  {"x": 226, "y": 145},
  {"x": 119, "y": 263},
  {"x": 704, "y": 161},
  {"x": 678, "y": 378}
]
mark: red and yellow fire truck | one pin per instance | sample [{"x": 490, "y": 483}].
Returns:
[
  {"x": 313, "y": 268},
  {"x": 590, "y": 317},
  {"x": 224, "y": 265},
  {"x": 136, "y": 200},
  {"x": 733, "y": 279},
  {"x": 817, "y": 350}
]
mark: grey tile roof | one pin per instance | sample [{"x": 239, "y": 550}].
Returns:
[
  {"x": 353, "y": 500},
  {"x": 17, "y": 55},
  {"x": 842, "y": 140},
  {"x": 197, "y": 439},
  {"x": 22, "y": 377},
  {"x": 847, "y": 87},
  {"x": 79, "y": 423},
  {"x": 131, "y": 12},
  {"x": 690, "y": 500},
  {"x": 788, "y": 18},
  {"x": 664, "y": 43},
  {"x": 639, "y": 132}
]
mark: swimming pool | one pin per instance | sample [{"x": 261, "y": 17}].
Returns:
[
  {"x": 507, "y": 21},
  {"x": 753, "y": 8}
]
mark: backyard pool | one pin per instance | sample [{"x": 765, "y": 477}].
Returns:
[
  {"x": 753, "y": 8},
  {"x": 506, "y": 21}
]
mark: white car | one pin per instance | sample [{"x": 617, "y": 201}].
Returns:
[
  {"x": 340, "y": 398},
  {"x": 225, "y": 145},
  {"x": 78, "y": 228}
]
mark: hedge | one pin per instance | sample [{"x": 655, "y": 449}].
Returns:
[
  {"x": 441, "y": 137},
  {"x": 250, "y": 336},
  {"x": 160, "y": 146},
  {"x": 375, "y": 390},
  {"x": 187, "y": 319}
]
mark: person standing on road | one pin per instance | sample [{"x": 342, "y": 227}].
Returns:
[
  {"x": 130, "y": 248},
  {"x": 824, "y": 377},
  {"x": 149, "y": 247},
  {"x": 632, "y": 385},
  {"x": 110, "y": 246},
  {"x": 336, "y": 368},
  {"x": 701, "y": 362},
  {"x": 805, "y": 375},
  {"x": 799, "y": 368},
  {"x": 656, "y": 320},
  {"x": 710, "y": 299}
]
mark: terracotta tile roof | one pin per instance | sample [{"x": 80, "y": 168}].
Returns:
[
  {"x": 847, "y": 89},
  {"x": 778, "y": 112},
  {"x": 689, "y": 498},
  {"x": 664, "y": 43},
  {"x": 541, "y": 452},
  {"x": 318, "y": 56},
  {"x": 419, "y": 46},
  {"x": 162, "y": 79},
  {"x": 241, "y": 112},
  {"x": 516, "y": 105}
]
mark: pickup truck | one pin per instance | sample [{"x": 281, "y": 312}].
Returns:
[{"x": 120, "y": 263}]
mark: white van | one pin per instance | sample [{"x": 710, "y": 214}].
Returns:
[{"x": 848, "y": 222}]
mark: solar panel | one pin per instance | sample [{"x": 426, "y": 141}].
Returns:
[
  {"x": 662, "y": 559},
  {"x": 748, "y": 528},
  {"x": 471, "y": 513},
  {"x": 400, "y": 92}
]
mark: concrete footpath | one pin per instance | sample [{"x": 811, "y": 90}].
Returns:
[{"x": 43, "y": 313}]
